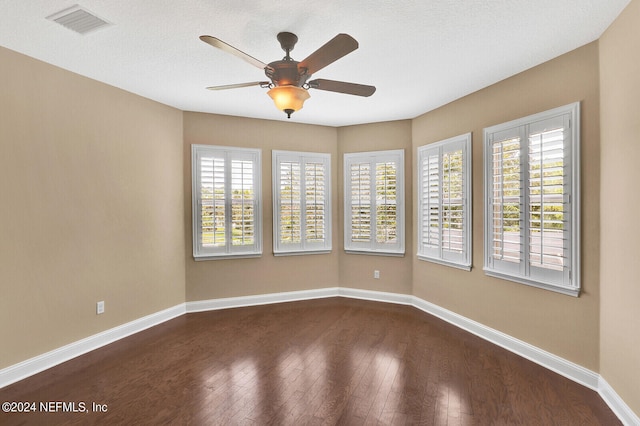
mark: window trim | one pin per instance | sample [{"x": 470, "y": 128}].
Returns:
[
  {"x": 372, "y": 157},
  {"x": 199, "y": 252},
  {"x": 303, "y": 158},
  {"x": 574, "y": 286},
  {"x": 465, "y": 142}
]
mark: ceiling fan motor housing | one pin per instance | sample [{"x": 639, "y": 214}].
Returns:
[{"x": 286, "y": 73}]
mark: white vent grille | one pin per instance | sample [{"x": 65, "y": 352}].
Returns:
[{"x": 79, "y": 20}]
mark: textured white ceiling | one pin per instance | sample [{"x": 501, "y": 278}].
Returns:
[{"x": 420, "y": 54}]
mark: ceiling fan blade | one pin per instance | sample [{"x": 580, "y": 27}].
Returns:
[
  {"x": 238, "y": 85},
  {"x": 342, "y": 87},
  {"x": 216, "y": 42},
  {"x": 333, "y": 50}
]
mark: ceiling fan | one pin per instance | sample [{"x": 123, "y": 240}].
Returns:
[{"x": 289, "y": 78}]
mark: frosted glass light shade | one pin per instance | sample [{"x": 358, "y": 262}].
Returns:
[{"x": 288, "y": 98}]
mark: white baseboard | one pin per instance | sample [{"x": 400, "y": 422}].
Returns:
[
  {"x": 376, "y": 296},
  {"x": 546, "y": 359},
  {"x": 617, "y": 405},
  {"x": 57, "y": 356},
  {"x": 260, "y": 299},
  {"x": 292, "y": 296}
]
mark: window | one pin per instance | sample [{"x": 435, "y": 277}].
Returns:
[
  {"x": 444, "y": 202},
  {"x": 374, "y": 202},
  {"x": 532, "y": 200},
  {"x": 301, "y": 202},
  {"x": 226, "y": 202}
]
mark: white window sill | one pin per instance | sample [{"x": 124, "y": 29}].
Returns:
[
  {"x": 376, "y": 253},
  {"x": 300, "y": 252},
  {"x": 226, "y": 256},
  {"x": 445, "y": 262},
  {"x": 569, "y": 291}
]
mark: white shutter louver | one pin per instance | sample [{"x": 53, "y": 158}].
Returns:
[
  {"x": 386, "y": 218},
  {"x": 290, "y": 226},
  {"x": 243, "y": 203},
  {"x": 360, "y": 191},
  {"x": 506, "y": 213},
  {"x": 212, "y": 193},
  {"x": 315, "y": 214},
  {"x": 546, "y": 199},
  {"x": 452, "y": 202},
  {"x": 431, "y": 201}
]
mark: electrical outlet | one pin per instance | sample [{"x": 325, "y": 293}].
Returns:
[
  {"x": 100, "y": 307},
  {"x": 376, "y": 274}
]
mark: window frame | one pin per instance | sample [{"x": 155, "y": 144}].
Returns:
[
  {"x": 440, "y": 254},
  {"x": 229, "y": 154},
  {"x": 304, "y": 247},
  {"x": 373, "y": 247},
  {"x": 568, "y": 281}
]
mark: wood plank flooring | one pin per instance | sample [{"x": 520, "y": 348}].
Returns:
[{"x": 319, "y": 362}]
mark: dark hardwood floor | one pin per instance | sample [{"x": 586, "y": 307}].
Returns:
[{"x": 328, "y": 361}]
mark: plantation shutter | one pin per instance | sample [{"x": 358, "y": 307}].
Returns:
[
  {"x": 386, "y": 213},
  {"x": 443, "y": 206},
  {"x": 212, "y": 206},
  {"x": 290, "y": 225},
  {"x": 301, "y": 202},
  {"x": 374, "y": 203},
  {"x": 316, "y": 203},
  {"x": 360, "y": 194},
  {"x": 549, "y": 231},
  {"x": 531, "y": 183},
  {"x": 430, "y": 202},
  {"x": 452, "y": 202},
  {"x": 226, "y": 211},
  {"x": 243, "y": 205},
  {"x": 507, "y": 199}
]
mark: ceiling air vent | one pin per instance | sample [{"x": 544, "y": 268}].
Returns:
[{"x": 79, "y": 20}]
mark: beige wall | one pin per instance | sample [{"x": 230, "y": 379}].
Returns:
[
  {"x": 91, "y": 207},
  {"x": 560, "y": 324},
  {"x": 356, "y": 270},
  {"x": 213, "y": 279},
  {"x": 620, "y": 204}
]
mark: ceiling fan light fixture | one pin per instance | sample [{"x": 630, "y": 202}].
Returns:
[
  {"x": 288, "y": 98},
  {"x": 289, "y": 77}
]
